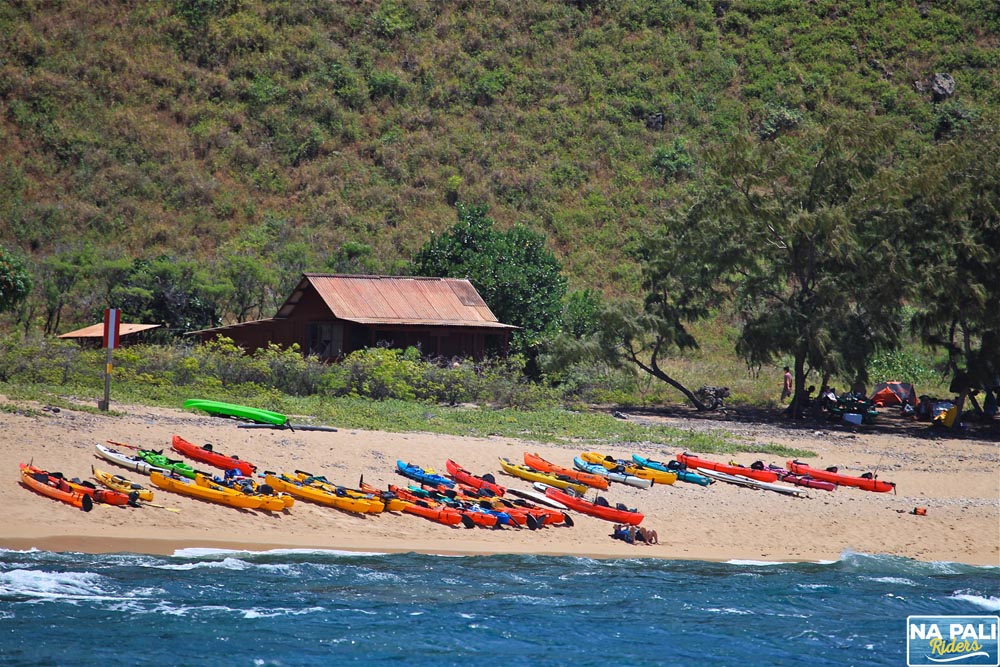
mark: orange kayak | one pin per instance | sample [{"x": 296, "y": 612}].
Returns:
[
  {"x": 695, "y": 462},
  {"x": 105, "y": 496},
  {"x": 54, "y": 487},
  {"x": 205, "y": 454},
  {"x": 590, "y": 479}
]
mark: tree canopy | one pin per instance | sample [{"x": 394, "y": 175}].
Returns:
[
  {"x": 955, "y": 245},
  {"x": 518, "y": 277},
  {"x": 15, "y": 280}
]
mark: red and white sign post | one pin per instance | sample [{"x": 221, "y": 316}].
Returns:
[{"x": 112, "y": 337}]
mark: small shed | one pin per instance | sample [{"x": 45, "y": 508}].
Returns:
[
  {"x": 93, "y": 336},
  {"x": 331, "y": 315}
]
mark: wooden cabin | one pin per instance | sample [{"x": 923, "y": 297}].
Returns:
[{"x": 330, "y": 316}]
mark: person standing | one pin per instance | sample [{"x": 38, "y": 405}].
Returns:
[{"x": 786, "y": 389}]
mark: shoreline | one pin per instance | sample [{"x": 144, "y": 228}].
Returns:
[{"x": 719, "y": 523}]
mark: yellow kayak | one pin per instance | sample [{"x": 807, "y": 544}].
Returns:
[
  {"x": 119, "y": 483},
  {"x": 393, "y": 505},
  {"x": 270, "y": 503},
  {"x": 532, "y": 475},
  {"x": 630, "y": 468},
  {"x": 317, "y": 494},
  {"x": 188, "y": 488}
]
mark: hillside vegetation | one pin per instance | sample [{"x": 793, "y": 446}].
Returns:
[{"x": 338, "y": 135}]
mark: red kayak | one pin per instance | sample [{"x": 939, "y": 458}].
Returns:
[
  {"x": 206, "y": 454},
  {"x": 618, "y": 514},
  {"x": 866, "y": 483},
  {"x": 463, "y": 476},
  {"x": 759, "y": 475}
]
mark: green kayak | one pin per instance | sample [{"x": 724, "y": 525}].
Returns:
[
  {"x": 160, "y": 461},
  {"x": 236, "y": 411}
]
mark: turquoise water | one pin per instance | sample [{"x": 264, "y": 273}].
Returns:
[{"x": 298, "y": 608}]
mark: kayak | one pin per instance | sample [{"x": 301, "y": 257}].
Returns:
[
  {"x": 532, "y": 475},
  {"x": 268, "y": 500},
  {"x": 590, "y": 479},
  {"x": 41, "y": 482},
  {"x": 683, "y": 474},
  {"x": 187, "y": 487},
  {"x": 160, "y": 462},
  {"x": 802, "y": 480},
  {"x": 866, "y": 483},
  {"x": 620, "y": 477},
  {"x": 320, "y": 495},
  {"x": 437, "y": 512},
  {"x": 206, "y": 454},
  {"x": 462, "y": 476},
  {"x": 631, "y": 468},
  {"x": 478, "y": 514},
  {"x": 133, "y": 463},
  {"x": 104, "y": 496},
  {"x": 600, "y": 508},
  {"x": 392, "y": 503},
  {"x": 246, "y": 413},
  {"x": 119, "y": 483},
  {"x": 538, "y": 497},
  {"x": 422, "y": 475},
  {"x": 740, "y": 480},
  {"x": 236, "y": 411},
  {"x": 733, "y": 469}
]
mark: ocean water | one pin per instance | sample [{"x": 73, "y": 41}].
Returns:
[{"x": 305, "y": 608}]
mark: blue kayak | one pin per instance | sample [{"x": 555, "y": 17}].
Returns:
[
  {"x": 682, "y": 474},
  {"x": 422, "y": 475}
]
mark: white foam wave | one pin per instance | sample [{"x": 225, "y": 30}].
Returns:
[
  {"x": 902, "y": 581},
  {"x": 280, "y": 611},
  {"x": 729, "y": 610},
  {"x": 198, "y": 552},
  {"x": 988, "y": 603},
  {"x": 224, "y": 564},
  {"x": 54, "y": 585},
  {"x": 757, "y": 563}
]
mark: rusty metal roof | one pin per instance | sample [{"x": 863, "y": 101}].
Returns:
[
  {"x": 397, "y": 300},
  {"x": 97, "y": 330}
]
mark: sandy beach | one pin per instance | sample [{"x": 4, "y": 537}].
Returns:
[{"x": 956, "y": 479}]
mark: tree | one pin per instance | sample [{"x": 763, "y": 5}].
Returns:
[
  {"x": 171, "y": 291},
  {"x": 517, "y": 276},
  {"x": 798, "y": 231},
  {"x": 955, "y": 243},
  {"x": 15, "y": 280}
]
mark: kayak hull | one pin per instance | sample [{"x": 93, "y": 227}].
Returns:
[
  {"x": 705, "y": 464},
  {"x": 190, "y": 489},
  {"x": 605, "y": 512},
  {"x": 631, "y": 468},
  {"x": 875, "y": 485},
  {"x": 212, "y": 458},
  {"x": 590, "y": 479},
  {"x": 620, "y": 477},
  {"x": 55, "y": 488},
  {"x": 531, "y": 475},
  {"x": 688, "y": 476},
  {"x": 244, "y": 412}
]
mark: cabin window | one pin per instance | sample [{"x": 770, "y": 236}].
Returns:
[{"x": 326, "y": 340}]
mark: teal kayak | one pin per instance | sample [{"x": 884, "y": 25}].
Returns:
[
  {"x": 682, "y": 474},
  {"x": 236, "y": 411}
]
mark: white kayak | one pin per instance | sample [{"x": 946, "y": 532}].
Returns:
[
  {"x": 740, "y": 480},
  {"x": 620, "y": 477},
  {"x": 133, "y": 463},
  {"x": 538, "y": 497}
]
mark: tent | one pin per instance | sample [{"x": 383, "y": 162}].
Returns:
[{"x": 885, "y": 394}]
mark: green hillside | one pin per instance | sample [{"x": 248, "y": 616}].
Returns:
[{"x": 320, "y": 135}]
